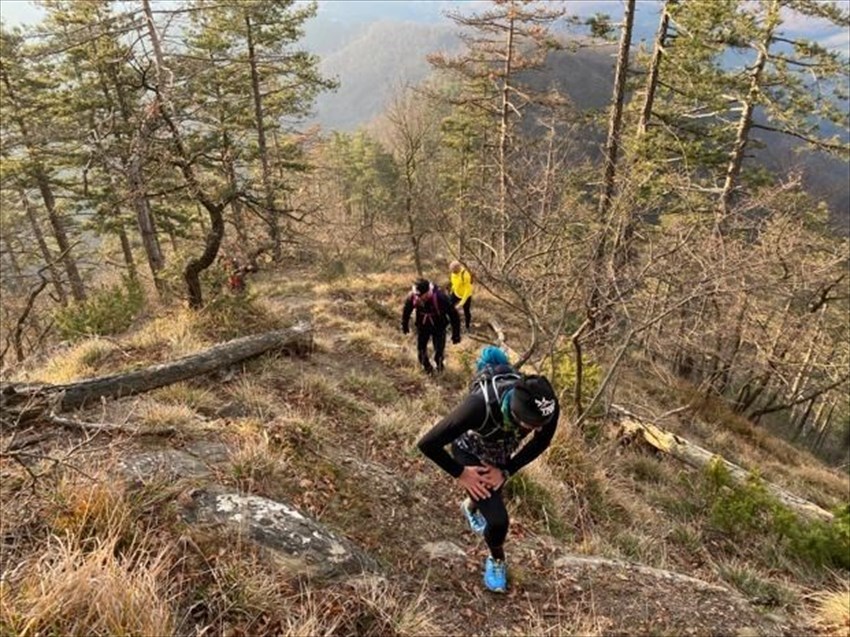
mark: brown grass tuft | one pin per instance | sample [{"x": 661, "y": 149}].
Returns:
[
  {"x": 69, "y": 591},
  {"x": 832, "y": 611}
]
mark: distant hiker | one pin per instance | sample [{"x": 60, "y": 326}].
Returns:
[
  {"x": 236, "y": 273},
  {"x": 461, "y": 289},
  {"x": 485, "y": 432},
  {"x": 434, "y": 312}
]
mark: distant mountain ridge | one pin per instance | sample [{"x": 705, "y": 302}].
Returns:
[
  {"x": 372, "y": 60},
  {"x": 372, "y": 63}
]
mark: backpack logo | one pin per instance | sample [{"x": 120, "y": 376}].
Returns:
[{"x": 545, "y": 405}]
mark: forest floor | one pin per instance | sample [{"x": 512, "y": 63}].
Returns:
[{"x": 605, "y": 539}]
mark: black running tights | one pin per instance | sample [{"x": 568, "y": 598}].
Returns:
[{"x": 493, "y": 508}]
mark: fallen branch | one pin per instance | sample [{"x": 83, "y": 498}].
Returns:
[
  {"x": 70, "y": 423},
  {"x": 23, "y": 402},
  {"x": 695, "y": 456}
]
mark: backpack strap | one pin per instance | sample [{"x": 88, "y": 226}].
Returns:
[{"x": 495, "y": 397}]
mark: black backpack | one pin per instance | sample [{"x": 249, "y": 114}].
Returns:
[{"x": 492, "y": 382}]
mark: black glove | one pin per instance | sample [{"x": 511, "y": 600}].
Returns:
[
  {"x": 455, "y": 338},
  {"x": 405, "y": 329}
]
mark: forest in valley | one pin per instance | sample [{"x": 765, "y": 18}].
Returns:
[{"x": 209, "y": 413}]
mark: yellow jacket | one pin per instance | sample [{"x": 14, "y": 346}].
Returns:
[{"x": 461, "y": 285}]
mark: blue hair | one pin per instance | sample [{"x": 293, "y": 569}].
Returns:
[{"x": 491, "y": 355}]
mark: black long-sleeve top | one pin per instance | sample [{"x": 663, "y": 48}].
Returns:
[
  {"x": 447, "y": 313},
  {"x": 472, "y": 416}
]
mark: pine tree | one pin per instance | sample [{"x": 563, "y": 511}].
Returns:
[
  {"x": 32, "y": 126},
  {"x": 252, "y": 43},
  {"x": 503, "y": 41}
]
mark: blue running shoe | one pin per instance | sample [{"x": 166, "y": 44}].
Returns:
[
  {"x": 495, "y": 575},
  {"x": 476, "y": 521}
]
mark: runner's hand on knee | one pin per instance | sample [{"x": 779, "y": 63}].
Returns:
[
  {"x": 472, "y": 480},
  {"x": 492, "y": 476}
]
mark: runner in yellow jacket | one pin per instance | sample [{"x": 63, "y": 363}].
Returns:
[{"x": 461, "y": 280}]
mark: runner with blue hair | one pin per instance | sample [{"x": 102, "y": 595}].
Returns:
[{"x": 487, "y": 433}]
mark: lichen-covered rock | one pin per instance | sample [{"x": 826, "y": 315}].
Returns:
[
  {"x": 298, "y": 543},
  {"x": 170, "y": 462}
]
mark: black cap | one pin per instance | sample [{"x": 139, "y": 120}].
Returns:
[
  {"x": 422, "y": 286},
  {"x": 533, "y": 401}
]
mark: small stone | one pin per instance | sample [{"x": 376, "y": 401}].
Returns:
[{"x": 443, "y": 550}]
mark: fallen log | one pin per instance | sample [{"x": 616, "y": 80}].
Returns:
[
  {"x": 21, "y": 402},
  {"x": 695, "y": 456}
]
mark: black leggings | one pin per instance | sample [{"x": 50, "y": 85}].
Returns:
[
  {"x": 467, "y": 314},
  {"x": 438, "y": 335},
  {"x": 493, "y": 508}
]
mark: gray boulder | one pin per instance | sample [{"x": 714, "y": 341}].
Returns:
[{"x": 299, "y": 544}]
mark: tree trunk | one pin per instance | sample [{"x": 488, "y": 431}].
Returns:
[
  {"x": 236, "y": 205},
  {"x": 503, "y": 142},
  {"x": 612, "y": 145},
  {"x": 736, "y": 159},
  {"x": 127, "y": 250},
  {"x": 272, "y": 217},
  {"x": 823, "y": 428},
  {"x": 55, "y": 279},
  {"x": 191, "y": 274},
  {"x": 772, "y": 408},
  {"x": 137, "y": 192},
  {"x": 194, "y": 267},
  {"x": 17, "y": 284},
  {"x": 696, "y": 456},
  {"x": 57, "y": 223},
  {"x": 654, "y": 68},
  {"x": 25, "y": 401}
]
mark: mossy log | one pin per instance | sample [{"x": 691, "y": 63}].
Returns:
[
  {"x": 21, "y": 402},
  {"x": 694, "y": 455}
]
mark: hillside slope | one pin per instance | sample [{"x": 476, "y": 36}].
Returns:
[{"x": 333, "y": 435}]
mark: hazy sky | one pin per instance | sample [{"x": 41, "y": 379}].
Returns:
[{"x": 16, "y": 12}]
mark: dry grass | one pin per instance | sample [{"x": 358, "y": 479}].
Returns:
[
  {"x": 393, "y": 423},
  {"x": 570, "y": 621},
  {"x": 76, "y": 363},
  {"x": 324, "y": 395},
  {"x": 812, "y": 481},
  {"x": 754, "y": 585},
  {"x": 153, "y": 416},
  {"x": 389, "y": 611},
  {"x": 373, "y": 388},
  {"x": 98, "y": 591},
  {"x": 176, "y": 331},
  {"x": 253, "y": 396},
  {"x": 832, "y": 611},
  {"x": 83, "y": 509},
  {"x": 258, "y": 460},
  {"x": 196, "y": 398}
]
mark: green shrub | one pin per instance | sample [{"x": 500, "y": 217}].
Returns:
[
  {"x": 561, "y": 370},
  {"x": 110, "y": 310},
  {"x": 534, "y": 501},
  {"x": 824, "y": 543},
  {"x": 744, "y": 510}
]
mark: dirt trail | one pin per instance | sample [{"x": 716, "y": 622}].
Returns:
[{"x": 392, "y": 502}]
